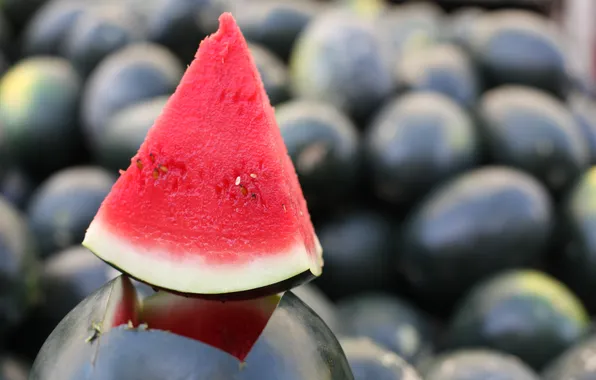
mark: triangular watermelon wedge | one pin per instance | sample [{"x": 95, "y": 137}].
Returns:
[{"x": 211, "y": 203}]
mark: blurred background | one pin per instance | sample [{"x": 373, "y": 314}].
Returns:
[{"x": 445, "y": 148}]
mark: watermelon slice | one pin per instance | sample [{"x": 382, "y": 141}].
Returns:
[{"x": 211, "y": 203}]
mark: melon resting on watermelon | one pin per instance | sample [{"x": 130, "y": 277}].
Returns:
[{"x": 211, "y": 203}]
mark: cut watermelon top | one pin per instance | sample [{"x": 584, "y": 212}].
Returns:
[{"x": 211, "y": 202}]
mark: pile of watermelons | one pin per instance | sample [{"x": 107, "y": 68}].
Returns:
[{"x": 447, "y": 160}]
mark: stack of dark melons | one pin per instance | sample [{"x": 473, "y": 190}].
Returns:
[{"x": 446, "y": 155}]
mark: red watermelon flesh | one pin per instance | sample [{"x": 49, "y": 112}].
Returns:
[
  {"x": 231, "y": 326},
  {"x": 123, "y": 305},
  {"x": 211, "y": 203}
]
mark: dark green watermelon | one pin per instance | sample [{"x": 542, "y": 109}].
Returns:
[
  {"x": 125, "y": 131},
  {"x": 370, "y": 361},
  {"x": 390, "y": 322},
  {"x": 460, "y": 25},
  {"x": 46, "y": 32},
  {"x": 295, "y": 345},
  {"x": 409, "y": 27},
  {"x": 370, "y": 9},
  {"x": 67, "y": 278},
  {"x": 575, "y": 363},
  {"x": 340, "y": 59},
  {"x": 275, "y": 24},
  {"x": 39, "y": 100},
  {"x": 16, "y": 187},
  {"x": 584, "y": 111},
  {"x": 477, "y": 364},
  {"x": 100, "y": 30},
  {"x": 578, "y": 219},
  {"x": 319, "y": 303},
  {"x": 324, "y": 147},
  {"x": 64, "y": 205},
  {"x": 175, "y": 24},
  {"x": 445, "y": 69},
  {"x": 131, "y": 75},
  {"x": 484, "y": 221},
  {"x": 531, "y": 130},
  {"x": 525, "y": 313},
  {"x": 520, "y": 47},
  {"x": 359, "y": 253},
  {"x": 417, "y": 141},
  {"x": 12, "y": 368},
  {"x": 19, "y": 285},
  {"x": 274, "y": 73}
]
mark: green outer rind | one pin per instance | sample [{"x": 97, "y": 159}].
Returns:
[
  {"x": 74, "y": 337},
  {"x": 300, "y": 279},
  {"x": 295, "y": 345}
]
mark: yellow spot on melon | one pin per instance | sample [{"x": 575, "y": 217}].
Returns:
[
  {"x": 543, "y": 286},
  {"x": 591, "y": 176},
  {"x": 367, "y": 8},
  {"x": 584, "y": 195},
  {"x": 16, "y": 88}
]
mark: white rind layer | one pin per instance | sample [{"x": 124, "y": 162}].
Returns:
[{"x": 194, "y": 276}]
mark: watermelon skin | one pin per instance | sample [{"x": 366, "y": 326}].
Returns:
[
  {"x": 67, "y": 278},
  {"x": 39, "y": 99},
  {"x": 359, "y": 250},
  {"x": 125, "y": 132},
  {"x": 97, "y": 32},
  {"x": 417, "y": 141},
  {"x": 390, "y": 322},
  {"x": 479, "y": 223},
  {"x": 318, "y": 301},
  {"x": 249, "y": 229},
  {"x": 76, "y": 336},
  {"x": 340, "y": 59},
  {"x": 460, "y": 24},
  {"x": 274, "y": 73},
  {"x": 520, "y": 47},
  {"x": 409, "y": 28},
  {"x": 62, "y": 207},
  {"x": 325, "y": 148},
  {"x": 477, "y": 364},
  {"x": 533, "y": 131},
  {"x": 572, "y": 363},
  {"x": 274, "y": 24},
  {"x": 133, "y": 74},
  {"x": 295, "y": 345},
  {"x": 445, "y": 69},
  {"x": 47, "y": 30},
  {"x": 584, "y": 111},
  {"x": 525, "y": 313},
  {"x": 578, "y": 219},
  {"x": 19, "y": 268},
  {"x": 370, "y": 361},
  {"x": 16, "y": 187},
  {"x": 175, "y": 24}
]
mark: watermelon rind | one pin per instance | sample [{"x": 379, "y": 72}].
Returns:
[{"x": 268, "y": 275}]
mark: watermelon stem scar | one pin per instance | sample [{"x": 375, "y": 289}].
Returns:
[{"x": 211, "y": 204}]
